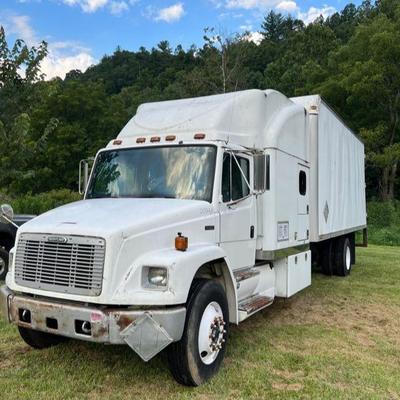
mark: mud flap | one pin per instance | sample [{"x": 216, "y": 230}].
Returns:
[{"x": 146, "y": 337}]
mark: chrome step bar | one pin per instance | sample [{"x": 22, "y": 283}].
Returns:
[
  {"x": 254, "y": 303},
  {"x": 244, "y": 274}
]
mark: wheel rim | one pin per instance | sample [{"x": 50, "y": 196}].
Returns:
[
  {"x": 348, "y": 258},
  {"x": 2, "y": 265},
  {"x": 211, "y": 333}
]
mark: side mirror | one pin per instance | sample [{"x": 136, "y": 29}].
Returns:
[
  {"x": 84, "y": 171},
  {"x": 261, "y": 172},
  {"x": 6, "y": 214}
]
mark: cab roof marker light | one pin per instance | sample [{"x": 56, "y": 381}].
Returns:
[
  {"x": 199, "y": 135},
  {"x": 170, "y": 138},
  {"x": 155, "y": 139},
  {"x": 140, "y": 140},
  {"x": 117, "y": 142}
]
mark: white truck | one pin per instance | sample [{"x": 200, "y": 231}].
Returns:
[{"x": 196, "y": 216}]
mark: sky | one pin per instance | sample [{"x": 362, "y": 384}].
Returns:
[{"x": 80, "y": 32}]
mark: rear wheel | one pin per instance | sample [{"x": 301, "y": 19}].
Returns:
[
  {"x": 343, "y": 256},
  {"x": 39, "y": 340},
  {"x": 199, "y": 354},
  {"x": 3, "y": 264}
]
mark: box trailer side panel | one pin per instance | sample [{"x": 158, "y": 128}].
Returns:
[{"x": 340, "y": 173}]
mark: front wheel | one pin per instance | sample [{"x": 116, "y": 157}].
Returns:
[{"x": 199, "y": 354}]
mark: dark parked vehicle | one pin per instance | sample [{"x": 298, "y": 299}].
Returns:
[{"x": 7, "y": 239}]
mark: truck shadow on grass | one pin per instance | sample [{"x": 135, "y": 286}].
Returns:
[{"x": 340, "y": 337}]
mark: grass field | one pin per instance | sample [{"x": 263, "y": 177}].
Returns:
[{"x": 339, "y": 339}]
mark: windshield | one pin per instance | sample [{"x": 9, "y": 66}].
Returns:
[{"x": 181, "y": 172}]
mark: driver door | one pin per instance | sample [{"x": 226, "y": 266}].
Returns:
[{"x": 238, "y": 211}]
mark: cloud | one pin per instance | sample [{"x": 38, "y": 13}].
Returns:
[
  {"x": 170, "y": 14},
  {"x": 217, "y": 3},
  {"x": 58, "y": 64},
  {"x": 314, "y": 12},
  {"x": 87, "y": 6},
  {"x": 250, "y": 4},
  {"x": 287, "y": 6},
  {"x": 118, "y": 7},
  {"x": 255, "y": 37},
  {"x": 19, "y": 25},
  {"x": 62, "y": 57},
  {"x": 247, "y": 28}
]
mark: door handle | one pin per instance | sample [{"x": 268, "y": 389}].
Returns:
[{"x": 252, "y": 232}]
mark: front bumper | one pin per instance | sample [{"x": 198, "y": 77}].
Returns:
[{"x": 147, "y": 331}]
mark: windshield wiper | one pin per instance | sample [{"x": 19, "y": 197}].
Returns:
[{"x": 158, "y": 196}]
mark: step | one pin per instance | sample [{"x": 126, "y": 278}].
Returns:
[
  {"x": 254, "y": 303},
  {"x": 245, "y": 274}
]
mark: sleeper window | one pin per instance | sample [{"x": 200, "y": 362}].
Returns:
[{"x": 302, "y": 183}]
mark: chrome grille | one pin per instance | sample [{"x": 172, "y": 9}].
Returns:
[{"x": 68, "y": 264}]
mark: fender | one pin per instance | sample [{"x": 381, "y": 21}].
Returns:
[{"x": 182, "y": 267}]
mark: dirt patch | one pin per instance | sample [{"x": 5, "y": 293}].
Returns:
[
  {"x": 294, "y": 387},
  {"x": 361, "y": 319}
]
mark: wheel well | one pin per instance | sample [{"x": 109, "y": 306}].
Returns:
[
  {"x": 6, "y": 241},
  {"x": 219, "y": 270}
]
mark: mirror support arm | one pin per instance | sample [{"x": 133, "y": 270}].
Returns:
[{"x": 10, "y": 221}]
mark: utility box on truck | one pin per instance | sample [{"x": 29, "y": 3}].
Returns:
[
  {"x": 337, "y": 199},
  {"x": 197, "y": 215}
]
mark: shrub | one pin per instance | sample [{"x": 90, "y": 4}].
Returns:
[
  {"x": 42, "y": 202},
  {"x": 384, "y": 223},
  {"x": 381, "y": 215}
]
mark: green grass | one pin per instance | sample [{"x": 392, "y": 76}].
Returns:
[{"x": 339, "y": 339}]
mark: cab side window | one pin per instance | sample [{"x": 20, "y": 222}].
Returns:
[
  {"x": 226, "y": 178},
  {"x": 239, "y": 185},
  {"x": 234, "y": 186}
]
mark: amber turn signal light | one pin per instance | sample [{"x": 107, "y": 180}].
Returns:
[{"x": 181, "y": 242}]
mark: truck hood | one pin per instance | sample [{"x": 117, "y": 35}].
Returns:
[{"x": 105, "y": 217}]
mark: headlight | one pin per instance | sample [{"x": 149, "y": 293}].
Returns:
[{"x": 155, "y": 277}]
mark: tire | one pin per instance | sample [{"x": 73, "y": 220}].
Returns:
[
  {"x": 343, "y": 256},
  {"x": 3, "y": 264},
  {"x": 328, "y": 258},
  {"x": 206, "y": 305},
  {"x": 40, "y": 340}
]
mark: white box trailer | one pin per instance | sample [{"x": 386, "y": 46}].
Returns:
[
  {"x": 337, "y": 200},
  {"x": 197, "y": 215}
]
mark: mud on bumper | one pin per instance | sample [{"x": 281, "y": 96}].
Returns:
[{"x": 147, "y": 332}]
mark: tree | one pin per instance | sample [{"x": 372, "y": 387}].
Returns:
[
  {"x": 19, "y": 72},
  {"x": 369, "y": 75},
  {"x": 221, "y": 62},
  {"x": 276, "y": 27},
  {"x": 20, "y": 65}
]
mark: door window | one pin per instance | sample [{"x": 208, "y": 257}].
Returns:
[{"x": 234, "y": 185}]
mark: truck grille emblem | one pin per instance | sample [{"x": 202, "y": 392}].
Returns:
[{"x": 57, "y": 239}]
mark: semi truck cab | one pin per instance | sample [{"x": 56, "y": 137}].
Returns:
[{"x": 195, "y": 217}]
